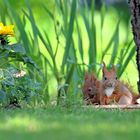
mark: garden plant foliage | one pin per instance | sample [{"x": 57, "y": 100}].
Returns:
[
  {"x": 14, "y": 82},
  {"x": 69, "y": 39}
]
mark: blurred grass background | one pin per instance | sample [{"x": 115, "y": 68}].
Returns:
[{"x": 67, "y": 38}]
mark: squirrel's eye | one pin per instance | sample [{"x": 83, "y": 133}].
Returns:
[
  {"x": 105, "y": 78},
  {"x": 116, "y": 78}
]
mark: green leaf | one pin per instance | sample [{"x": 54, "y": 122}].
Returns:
[
  {"x": 69, "y": 34},
  {"x": 111, "y": 40},
  {"x": 126, "y": 62},
  {"x": 115, "y": 48},
  {"x": 2, "y": 95},
  {"x": 80, "y": 44},
  {"x": 8, "y": 78},
  {"x": 18, "y": 48}
]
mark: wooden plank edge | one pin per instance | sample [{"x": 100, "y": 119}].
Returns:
[{"x": 114, "y": 106}]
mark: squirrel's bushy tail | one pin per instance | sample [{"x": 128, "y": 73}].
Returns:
[{"x": 136, "y": 98}]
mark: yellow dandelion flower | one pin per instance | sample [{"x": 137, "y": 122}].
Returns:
[
  {"x": 1, "y": 28},
  {"x": 6, "y": 30}
]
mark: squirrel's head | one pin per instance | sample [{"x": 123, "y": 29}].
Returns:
[
  {"x": 90, "y": 85},
  {"x": 109, "y": 80}
]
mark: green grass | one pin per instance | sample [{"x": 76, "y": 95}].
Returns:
[{"x": 69, "y": 123}]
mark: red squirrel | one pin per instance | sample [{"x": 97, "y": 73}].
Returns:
[
  {"x": 91, "y": 89},
  {"x": 112, "y": 91},
  {"x": 108, "y": 91}
]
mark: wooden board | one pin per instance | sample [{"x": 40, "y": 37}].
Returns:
[{"x": 115, "y": 106}]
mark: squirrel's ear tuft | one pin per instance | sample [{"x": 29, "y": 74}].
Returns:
[
  {"x": 86, "y": 76},
  {"x": 113, "y": 68}
]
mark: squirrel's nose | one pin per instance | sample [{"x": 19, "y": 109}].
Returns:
[
  {"x": 110, "y": 84},
  {"x": 89, "y": 89}
]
